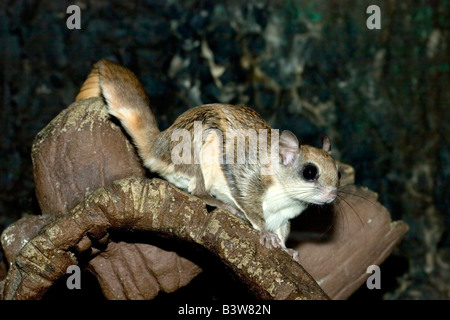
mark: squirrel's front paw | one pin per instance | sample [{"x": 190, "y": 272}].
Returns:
[
  {"x": 293, "y": 253},
  {"x": 270, "y": 240}
]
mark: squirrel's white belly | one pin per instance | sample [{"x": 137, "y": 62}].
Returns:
[{"x": 279, "y": 209}]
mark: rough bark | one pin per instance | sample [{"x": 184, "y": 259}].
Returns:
[{"x": 139, "y": 204}]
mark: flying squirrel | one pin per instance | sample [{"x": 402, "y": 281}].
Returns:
[{"x": 299, "y": 175}]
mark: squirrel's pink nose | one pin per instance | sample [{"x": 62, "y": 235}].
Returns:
[{"x": 331, "y": 195}]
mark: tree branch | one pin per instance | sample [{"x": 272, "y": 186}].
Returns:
[{"x": 139, "y": 204}]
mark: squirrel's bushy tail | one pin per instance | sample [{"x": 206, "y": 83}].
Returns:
[{"x": 126, "y": 100}]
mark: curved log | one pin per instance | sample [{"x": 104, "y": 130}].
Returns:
[{"x": 139, "y": 204}]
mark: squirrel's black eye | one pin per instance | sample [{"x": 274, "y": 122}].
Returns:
[
  {"x": 310, "y": 172},
  {"x": 339, "y": 175}
]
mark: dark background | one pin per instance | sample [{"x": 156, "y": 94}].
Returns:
[{"x": 312, "y": 67}]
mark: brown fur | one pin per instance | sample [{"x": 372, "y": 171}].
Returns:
[
  {"x": 238, "y": 187},
  {"x": 91, "y": 87}
]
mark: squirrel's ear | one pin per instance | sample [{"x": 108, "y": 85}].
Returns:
[
  {"x": 289, "y": 147},
  {"x": 326, "y": 144}
]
